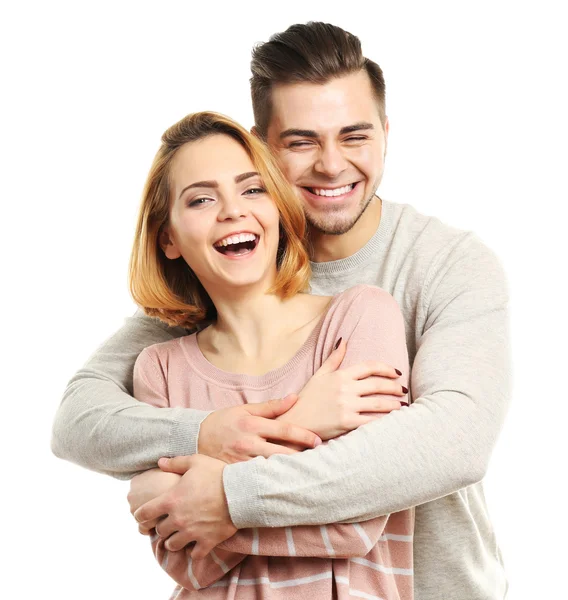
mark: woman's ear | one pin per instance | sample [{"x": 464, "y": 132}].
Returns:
[{"x": 168, "y": 245}]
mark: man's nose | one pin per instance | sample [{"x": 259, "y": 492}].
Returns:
[{"x": 330, "y": 161}]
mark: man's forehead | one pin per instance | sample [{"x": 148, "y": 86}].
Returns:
[{"x": 332, "y": 106}]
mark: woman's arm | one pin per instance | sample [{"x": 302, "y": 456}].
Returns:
[{"x": 190, "y": 574}]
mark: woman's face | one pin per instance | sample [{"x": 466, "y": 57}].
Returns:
[{"x": 222, "y": 221}]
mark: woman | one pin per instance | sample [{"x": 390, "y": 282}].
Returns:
[{"x": 219, "y": 247}]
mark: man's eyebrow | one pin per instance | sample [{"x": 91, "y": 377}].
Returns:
[
  {"x": 310, "y": 133},
  {"x": 361, "y": 126},
  {"x": 213, "y": 184},
  {"x": 299, "y": 132}
]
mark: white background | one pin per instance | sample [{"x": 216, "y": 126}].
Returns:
[{"x": 477, "y": 105}]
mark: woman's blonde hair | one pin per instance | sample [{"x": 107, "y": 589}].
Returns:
[{"x": 168, "y": 289}]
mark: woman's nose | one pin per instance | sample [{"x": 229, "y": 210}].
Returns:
[{"x": 233, "y": 208}]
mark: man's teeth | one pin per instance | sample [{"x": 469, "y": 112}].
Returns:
[
  {"x": 337, "y": 192},
  {"x": 236, "y": 239}
]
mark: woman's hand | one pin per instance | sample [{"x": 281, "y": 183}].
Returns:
[
  {"x": 146, "y": 487},
  {"x": 336, "y": 401}
]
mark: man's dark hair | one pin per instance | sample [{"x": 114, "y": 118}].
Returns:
[{"x": 313, "y": 52}]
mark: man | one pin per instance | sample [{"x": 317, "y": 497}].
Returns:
[{"x": 320, "y": 105}]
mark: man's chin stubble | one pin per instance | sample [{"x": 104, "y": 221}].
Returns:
[{"x": 330, "y": 226}]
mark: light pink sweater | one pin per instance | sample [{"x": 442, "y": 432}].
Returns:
[{"x": 372, "y": 559}]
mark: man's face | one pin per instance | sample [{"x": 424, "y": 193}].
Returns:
[{"x": 330, "y": 142}]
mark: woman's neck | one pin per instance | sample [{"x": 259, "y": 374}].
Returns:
[{"x": 259, "y": 331}]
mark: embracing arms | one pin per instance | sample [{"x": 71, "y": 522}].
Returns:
[
  {"x": 460, "y": 386},
  {"x": 100, "y": 426}
]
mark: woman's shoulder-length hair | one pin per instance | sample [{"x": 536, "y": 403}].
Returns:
[{"x": 168, "y": 289}]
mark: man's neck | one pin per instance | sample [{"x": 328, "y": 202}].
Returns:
[{"x": 326, "y": 248}]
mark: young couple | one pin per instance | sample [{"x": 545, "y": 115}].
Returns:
[{"x": 219, "y": 247}]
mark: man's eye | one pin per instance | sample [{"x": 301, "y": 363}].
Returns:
[
  {"x": 355, "y": 138},
  {"x": 300, "y": 144}
]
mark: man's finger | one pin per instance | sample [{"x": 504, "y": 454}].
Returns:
[
  {"x": 146, "y": 528},
  {"x": 286, "y": 432},
  {"x": 201, "y": 550},
  {"x": 152, "y": 510},
  {"x": 272, "y": 408},
  {"x": 165, "y": 528},
  {"x": 177, "y": 541},
  {"x": 177, "y": 464},
  {"x": 267, "y": 449},
  {"x": 334, "y": 360}
]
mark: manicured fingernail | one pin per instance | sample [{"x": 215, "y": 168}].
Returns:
[
  {"x": 339, "y": 342},
  {"x": 398, "y": 372},
  {"x": 403, "y": 403},
  {"x": 317, "y": 442},
  {"x": 405, "y": 390}
]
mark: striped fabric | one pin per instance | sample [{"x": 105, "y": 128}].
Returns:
[{"x": 371, "y": 559}]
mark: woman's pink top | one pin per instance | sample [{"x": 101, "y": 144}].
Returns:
[{"x": 371, "y": 559}]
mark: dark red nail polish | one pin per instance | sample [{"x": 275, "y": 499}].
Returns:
[
  {"x": 405, "y": 390},
  {"x": 338, "y": 342},
  {"x": 398, "y": 372},
  {"x": 404, "y": 403}
]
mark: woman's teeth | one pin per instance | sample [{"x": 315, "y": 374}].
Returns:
[
  {"x": 330, "y": 193},
  {"x": 237, "y": 239},
  {"x": 236, "y": 245}
]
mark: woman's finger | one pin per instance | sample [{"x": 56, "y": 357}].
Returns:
[
  {"x": 372, "y": 367},
  {"x": 377, "y": 404},
  {"x": 379, "y": 385}
]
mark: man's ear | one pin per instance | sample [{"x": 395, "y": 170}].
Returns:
[
  {"x": 168, "y": 246},
  {"x": 387, "y": 127}
]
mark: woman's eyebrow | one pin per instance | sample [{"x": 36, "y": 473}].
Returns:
[
  {"x": 244, "y": 176},
  {"x": 214, "y": 184}
]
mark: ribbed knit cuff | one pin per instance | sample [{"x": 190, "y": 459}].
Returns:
[
  {"x": 184, "y": 431},
  {"x": 243, "y": 496}
]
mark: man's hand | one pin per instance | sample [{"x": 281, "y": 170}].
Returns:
[
  {"x": 146, "y": 487},
  {"x": 240, "y": 433},
  {"x": 195, "y": 509},
  {"x": 335, "y": 401}
]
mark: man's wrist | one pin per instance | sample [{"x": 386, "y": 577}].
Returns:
[
  {"x": 242, "y": 495},
  {"x": 184, "y": 433}
]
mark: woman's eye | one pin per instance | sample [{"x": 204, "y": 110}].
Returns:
[
  {"x": 255, "y": 191},
  {"x": 199, "y": 202}
]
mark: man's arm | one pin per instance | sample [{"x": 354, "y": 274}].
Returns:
[
  {"x": 100, "y": 426},
  {"x": 442, "y": 443},
  {"x": 334, "y": 540}
]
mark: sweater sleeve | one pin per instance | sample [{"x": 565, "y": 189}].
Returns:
[
  {"x": 440, "y": 444},
  {"x": 325, "y": 541},
  {"x": 100, "y": 426},
  {"x": 336, "y": 540}
]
